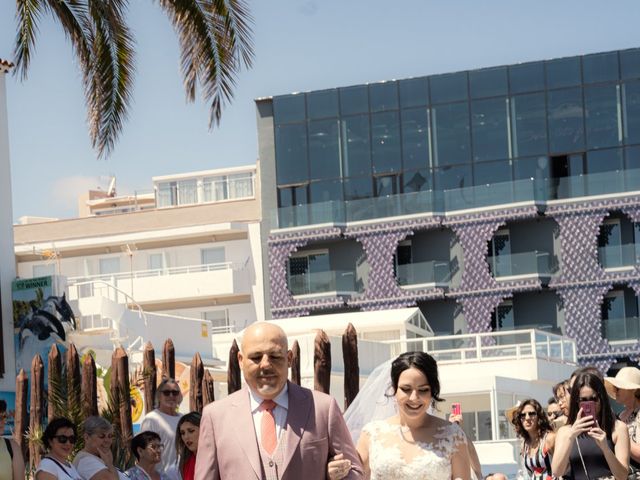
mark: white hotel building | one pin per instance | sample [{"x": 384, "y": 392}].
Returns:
[{"x": 188, "y": 257}]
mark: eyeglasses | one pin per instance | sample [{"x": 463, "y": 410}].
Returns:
[
  {"x": 524, "y": 415},
  {"x": 158, "y": 447},
  {"x": 64, "y": 439},
  {"x": 589, "y": 399},
  {"x": 554, "y": 414},
  {"x": 175, "y": 393}
]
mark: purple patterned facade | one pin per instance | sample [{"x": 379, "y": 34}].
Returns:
[{"x": 581, "y": 283}]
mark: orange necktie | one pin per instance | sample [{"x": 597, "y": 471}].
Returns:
[{"x": 268, "y": 426}]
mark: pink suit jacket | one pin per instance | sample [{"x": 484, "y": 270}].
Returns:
[{"x": 315, "y": 431}]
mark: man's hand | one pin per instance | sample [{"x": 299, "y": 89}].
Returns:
[
  {"x": 455, "y": 419},
  {"x": 338, "y": 467}
]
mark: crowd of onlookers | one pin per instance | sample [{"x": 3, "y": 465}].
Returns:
[{"x": 579, "y": 436}]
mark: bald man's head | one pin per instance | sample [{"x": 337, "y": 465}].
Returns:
[{"x": 265, "y": 359}]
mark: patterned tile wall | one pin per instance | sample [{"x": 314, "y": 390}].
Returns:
[{"x": 581, "y": 284}]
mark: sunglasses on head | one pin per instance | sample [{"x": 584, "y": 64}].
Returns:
[
  {"x": 528, "y": 414},
  {"x": 175, "y": 393},
  {"x": 64, "y": 439}
]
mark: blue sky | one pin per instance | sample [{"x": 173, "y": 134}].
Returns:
[{"x": 300, "y": 45}]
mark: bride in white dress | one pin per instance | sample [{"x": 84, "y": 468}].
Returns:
[{"x": 412, "y": 444}]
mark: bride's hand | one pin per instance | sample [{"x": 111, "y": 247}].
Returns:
[{"x": 338, "y": 467}]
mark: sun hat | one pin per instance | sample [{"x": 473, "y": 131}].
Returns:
[
  {"x": 627, "y": 378},
  {"x": 510, "y": 412}
]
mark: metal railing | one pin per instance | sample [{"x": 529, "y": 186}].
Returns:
[
  {"x": 537, "y": 190},
  {"x": 322, "y": 282},
  {"x": 491, "y": 346},
  {"x": 525, "y": 263},
  {"x": 157, "y": 272}
]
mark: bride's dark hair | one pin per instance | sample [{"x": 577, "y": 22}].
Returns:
[{"x": 421, "y": 361}]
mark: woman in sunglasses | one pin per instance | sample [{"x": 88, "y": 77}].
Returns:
[
  {"x": 593, "y": 444},
  {"x": 538, "y": 439},
  {"x": 147, "y": 448},
  {"x": 58, "y": 439},
  {"x": 11, "y": 461},
  {"x": 164, "y": 421}
]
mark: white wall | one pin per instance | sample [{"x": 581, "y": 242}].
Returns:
[{"x": 7, "y": 259}]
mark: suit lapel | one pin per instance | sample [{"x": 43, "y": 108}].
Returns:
[
  {"x": 297, "y": 417},
  {"x": 244, "y": 421}
]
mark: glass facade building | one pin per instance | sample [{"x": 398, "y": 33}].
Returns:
[{"x": 550, "y": 129}]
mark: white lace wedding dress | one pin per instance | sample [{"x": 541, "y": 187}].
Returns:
[{"x": 392, "y": 456}]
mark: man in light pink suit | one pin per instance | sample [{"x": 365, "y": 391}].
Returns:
[{"x": 274, "y": 429}]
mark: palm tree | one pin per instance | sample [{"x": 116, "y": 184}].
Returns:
[{"x": 215, "y": 43}]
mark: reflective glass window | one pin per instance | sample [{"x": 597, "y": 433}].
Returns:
[
  {"x": 451, "y": 177},
  {"x": 489, "y": 82},
  {"x": 415, "y": 138},
  {"x": 325, "y": 191},
  {"x": 527, "y": 77},
  {"x": 322, "y": 104},
  {"x": 528, "y": 124},
  {"x": 602, "y": 115},
  {"x": 385, "y": 142},
  {"x": 383, "y": 96},
  {"x": 291, "y": 153},
  {"x": 492, "y": 172},
  {"x": 450, "y": 127},
  {"x": 563, "y": 72},
  {"x": 354, "y": 100},
  {"x": 565, "y": 120},
  {"x": 417, "y": 180},
  {"x": 285, "y": 197},
  {"x": 356, "y": 188},
  {"x": 604, "y": 160},
  {"x": 324, "y": 149},
  {"x": 531, "y": 167},
  {"x": 630, "y": 63},
  {"x": 448, "y": 88},
  {"x": 288, "y": 108},
  {"x": 356, "y": 146},
  {"x": 386, "y": 185},
  {"x": 631, "y": 108},
  {"x": 489, "y": 119},
  {"x": 601, "y": 67},
  {"x": 632, "y": 158},
  {"x": 414, "y": 92}
]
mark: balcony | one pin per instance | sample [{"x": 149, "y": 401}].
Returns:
[
  {"x": 434, "y": 273},
  {"x": 168, "y": 284},
  {"x": 621, "y": 330},
  {"x": 618, "y": 256},
  {"x": 331, "y": 282},
  {"x": 527, "y": 264},
  {"x": 531, "y": 190}
]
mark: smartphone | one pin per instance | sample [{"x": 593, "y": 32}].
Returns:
[
  {"x": 589, "y": 408},
  {"x": 455, "y": 409}
]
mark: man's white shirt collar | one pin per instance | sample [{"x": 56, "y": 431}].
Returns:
[{"x": 282, "y": 400}]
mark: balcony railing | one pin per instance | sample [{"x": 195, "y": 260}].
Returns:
[
  {"x": 312, "y": 283},
  {"x": 621, "y": 329},
  {"x": 157, "y": 272},
  {"x": 483, "y": 347},
  {"x": 538, "y": 190},
  {"x": 434, "y": 272},
  {"x": 617, "y": 256},
  {"x": 526, "y": 263}
]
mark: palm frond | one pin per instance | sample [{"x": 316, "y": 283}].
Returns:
[
  {"x": 110, "y": 83},
  {"x": 28, "y": 13},
  {"x": 215, "y": 43}
]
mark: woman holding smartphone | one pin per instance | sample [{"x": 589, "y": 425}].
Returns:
[{"x": 593, "y": 443}]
